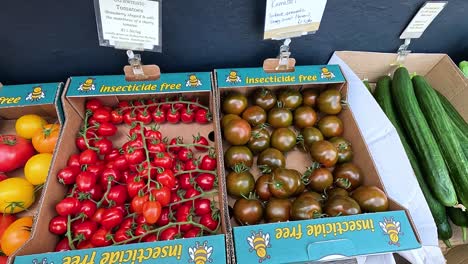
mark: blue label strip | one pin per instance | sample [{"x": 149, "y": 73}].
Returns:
[
  {"x": 209, "y": 249},
  {"x": 311, "y": 240},
  {"x": 117, "y": 85},
  {"x": 29, "y": 94},
  {"x": 242, "y": 77}
]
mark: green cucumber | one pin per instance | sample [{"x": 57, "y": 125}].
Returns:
[
  {"x": 366, "y": 83},
  {"x": 459, "y": 218},
  {"x": 422, "y": 139},
  {"x": 384, "y": 99},
  {"x": 453, "y": 113},
  {"x": 441, "y": 125},
  {"x": 444, "y": 231},
  {"x": 462, "y": 137}
]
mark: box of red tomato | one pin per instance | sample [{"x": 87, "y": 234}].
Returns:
[
  {"x": 135, "y": 179},
  {"x": 301, "y": 183}
]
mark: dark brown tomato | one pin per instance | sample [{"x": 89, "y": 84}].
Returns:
[
  {"x": 329, "y": 102},
  {"x": 342, "y": 205},
  {"x": 261, "y": 187},
  {"x": 259, "y": 140},
  {"x": 300, "y": 183},
  {"x": 336, "y": 191},
  {"x": 347, "y": 176},
  {"x": 345, "y": 151},
  {"x": 320, "y": 179},
  {"x": 306, "y": 206},
  {"x": 248, "y": 211},
  {"x": 238, "y": 154},
  {"x": 331, "y": 126},
  {"x": 284, "y": 183},
  {"x": 271, "y": 158},
  {"x": 237, "y": 132},
  {"x": 265, "y": 98},
  {"x": 311, "y": 135},
  {"x": 240, "y": 183},
  {"x": 316, "y": 196},
  {"x": 324, "y": 153},
  {"x": 228, "y": 118},
  {"x": 304, "y": 116},
  {"x": 234, "y": 103},
  {"x": 370, "y": 199},
  {"x": 277, "y": 210},
  {"x": 283, "y": 139},
  {"x": 255, "y": 115},
  {"x": 290, "y": 98},
  {"x": 280, "y": 117},
  {"x": 309, "y": 97}
]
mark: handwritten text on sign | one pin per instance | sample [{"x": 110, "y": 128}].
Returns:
[
  {"x": 290, "y": 18},
  {"x": 130, "y": 21}
]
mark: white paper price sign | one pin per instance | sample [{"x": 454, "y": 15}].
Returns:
[
  {"x": 292, "y": 18},
  {"x": 129, "y": 24},
  {"x": 428, "y": 12}
]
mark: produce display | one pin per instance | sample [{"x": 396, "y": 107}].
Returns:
[
  {"x": 136, "y": 179},
  {"x": 25, "y": 158},
  {"x": 266, "y": 132},
  {"x": 434, "y": 137}
]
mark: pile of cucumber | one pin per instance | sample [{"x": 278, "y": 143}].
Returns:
[{"x": 435, "y": 138}]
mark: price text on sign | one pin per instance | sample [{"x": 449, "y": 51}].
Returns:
[
  {"x": 428, "y": 12},
  {"x": 292, "y": 18},
  {"x": 131, "y": 24}
]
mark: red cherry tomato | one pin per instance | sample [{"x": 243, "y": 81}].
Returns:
[
  {"x": 85, "y": 181},
  {"x": 68, "y": 175},
  {"x": 152, "y": 211},
  {"x": 117, "y": 195},
  {"x": 173, "y": 116},
  {"x": 166, "y": 178},
  {"x": 102, "y": 115},
  {"x": 208, "y": 162},
  {"x": 101, "y": 238},
  {"x": 58, "y": 225},
  {"x": 93, "y": 104},
  {"x": 164, "y": 218},
  {"x": 202, "y": 206},
  {"x": 88, "y": 208},
  {"x": 187, "y": 115},
  {"x": 116, "y": 117},
  {"x": 68, "y": 206},
  {"x": 209, "y": 222},
  {"x": 88, "y": 157},
  {"x": 137, "y": 203},
  {"x": 74, "y": 160},
  {"x": 200, "y": 140},
  {"x": 62, "y": 245},
  {"x": 159, "y": 116},
  {"x": 144, "y": 117},
  {"x": 194, "y": 232},
  {"x": 206, "y": 181},
  {"x": 104, "y": 145},
  {"x": 162, "y": 195},
  {"x": 111, "y": 218},
  {"x": 169, "y": 233},
  {"x": 185, "y": 154},
  {"x": 202, "y": 116},
  {"x": 85, "y": 228},
  {"x": 107, "y": 129}
]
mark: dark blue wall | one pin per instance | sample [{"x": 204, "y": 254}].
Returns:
[{"x": 44, "y": 41}]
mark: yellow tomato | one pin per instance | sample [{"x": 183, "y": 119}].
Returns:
[
  {"x": 28, "y": 125},
  {"x": 44, "y": 140},
  {"x": 16, "y": 195},
  {"x": 37, "y": 168},
  {"x": 16, "y": 235}
]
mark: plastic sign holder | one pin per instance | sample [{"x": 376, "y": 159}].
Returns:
[
  {"x": 283, "y": 63},
  {"x": 136, "y": 71},
  {"x": 414, "y": 30}
]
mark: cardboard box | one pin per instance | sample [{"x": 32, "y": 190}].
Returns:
[
  {"x": 311, "y": 240},
  {"x": 444, "y": 76},
  {"x": 110, "y": 90},
  {"x": 18, "y": 100}
]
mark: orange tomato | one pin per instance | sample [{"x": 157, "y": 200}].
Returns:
[
  {"x": 16, "y": 235},
  {"x": 44, "y": 141}
]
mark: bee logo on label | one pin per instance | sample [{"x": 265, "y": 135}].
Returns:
[
  {"x": 233, "y": 77},
  {"x": 327, "y": 74},
  {"x": 36, "y": 94},
  {"x": 193, "y": 81},
  {"x": 392, "y": 229},
  {"x": 259, "y": 243},
  {"x": 200, "y": 254},
  {"x": 44, "y": 261},
  {"x": 87, "y": 85}
]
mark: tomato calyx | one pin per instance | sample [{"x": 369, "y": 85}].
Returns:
[
  {"x": 9, "y": 140},
  {"x": 343, "y": 182},
  {"x": 13, "y": 205}
]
